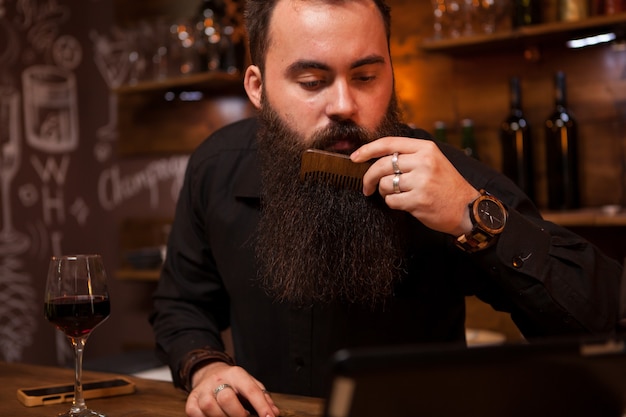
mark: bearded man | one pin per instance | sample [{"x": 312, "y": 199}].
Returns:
[{"x": 299, "y": 270}]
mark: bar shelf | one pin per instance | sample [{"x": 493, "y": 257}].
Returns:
[
  {"x": 527, "y": 36},
  {"x": 609, "y": 216}
]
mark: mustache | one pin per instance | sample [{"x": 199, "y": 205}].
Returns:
[{"x": 343, "y": 131}]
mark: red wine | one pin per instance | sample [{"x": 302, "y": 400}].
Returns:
[{"x": 78, "y": 315}]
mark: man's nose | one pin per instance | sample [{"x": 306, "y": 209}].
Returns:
[{"x": 341, "y": 101}]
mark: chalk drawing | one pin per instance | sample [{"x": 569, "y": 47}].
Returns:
[
  {"x": 67, "y": 52},
  {"x": 80, "y": 210},
  {"x": 19, "y": 306},
  {"x": 111, "y": 55},
  {"x": 50, "y": 108},
  {"x": 41, "y": 20},
  {"x": 11, "y": 240},
  {"x": 47, "y": 108}
]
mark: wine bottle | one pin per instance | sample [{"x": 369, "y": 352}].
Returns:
[
  {"x": 526, "y": 12},
  {"x": 572, "y": 10},
  {"x": 612, "y": 7},
  {"x": 550, "y": 11},
  {"x": 562, "y": 152},
  {"x": 468, "y": 140},
  {"x": 440, "y": 131},
  {"x": 516, "y": 141}
]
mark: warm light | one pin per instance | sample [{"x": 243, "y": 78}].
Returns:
[
  {"x": 184, "y": 96},
  {"x": 591, "y": 40}
]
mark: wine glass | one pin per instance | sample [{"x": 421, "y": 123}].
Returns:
[{"x": 76, "y": 301}]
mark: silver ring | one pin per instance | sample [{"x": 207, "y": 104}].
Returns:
[
  {"x": 396, "y": 184},
  {"x": 394, "y": 163},
  {"x": 220, "y": 388}
]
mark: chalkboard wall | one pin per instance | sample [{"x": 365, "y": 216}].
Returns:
[{"x": 63, "y": 188}]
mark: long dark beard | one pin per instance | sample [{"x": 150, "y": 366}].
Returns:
[{"x": 317, "y": 243}]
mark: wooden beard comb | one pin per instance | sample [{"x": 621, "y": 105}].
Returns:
[{"x": 332, "y": 168}]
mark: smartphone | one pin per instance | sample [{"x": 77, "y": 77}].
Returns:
[{"x": 55, "y": 394}]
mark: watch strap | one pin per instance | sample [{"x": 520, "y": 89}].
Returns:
[
  {"x": 478, "y": 238},
  {"x": 475, "y": 240}
]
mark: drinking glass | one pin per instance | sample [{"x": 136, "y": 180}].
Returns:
[
  {"x": 490, "y": 13},
  {"x": 440, "y": 18},
  {"x": 460, "y": 14},
  {"x": 76, "y": 301}
]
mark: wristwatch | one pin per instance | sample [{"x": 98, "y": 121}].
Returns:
[{"x": 488, "y": 215}]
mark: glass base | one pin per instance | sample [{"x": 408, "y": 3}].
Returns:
[{"x": 82, "y": 413}]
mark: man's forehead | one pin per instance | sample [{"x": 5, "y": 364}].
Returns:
[
  {"x": 299, "y": 6},
  {"x": 317, "y": 13}
]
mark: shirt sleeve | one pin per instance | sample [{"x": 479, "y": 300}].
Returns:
[
  {"x": 552, "y": 281},
  {"x": 190, "y": 302}
]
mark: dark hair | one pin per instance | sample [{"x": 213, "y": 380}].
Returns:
[{"x": 258, "y": 14}]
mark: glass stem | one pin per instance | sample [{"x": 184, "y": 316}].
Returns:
[{"x": 78, "y": 403}]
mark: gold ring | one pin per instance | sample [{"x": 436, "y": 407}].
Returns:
[
  {"x": 220, "y": 388},
  {"x": 394, "y": 163},
  {"x": 396, "y": 184}
]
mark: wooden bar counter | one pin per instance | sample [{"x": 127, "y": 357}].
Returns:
[{"x": 151, "y": 398}]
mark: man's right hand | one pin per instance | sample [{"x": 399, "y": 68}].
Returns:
[{"x": 222, "y": 390}]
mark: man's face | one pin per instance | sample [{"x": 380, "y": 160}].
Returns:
[
  {"x": 316, "y": 242},
  {"x": 327, "y": 63}
]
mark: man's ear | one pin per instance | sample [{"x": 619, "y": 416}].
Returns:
[{"x": 253, "y": 83}]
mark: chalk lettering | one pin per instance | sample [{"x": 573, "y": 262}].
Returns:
[
  {"x": 114, "y": 188},
  {"x": 51, "y": 169},
  {"x": 49, "y": 204}
]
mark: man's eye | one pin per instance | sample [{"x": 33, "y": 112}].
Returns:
[
  {"x": 311, "y": 85},
  {"x": 365, "y": 78}
]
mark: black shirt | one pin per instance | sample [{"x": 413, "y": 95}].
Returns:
[{"x": 550, "y": 280}]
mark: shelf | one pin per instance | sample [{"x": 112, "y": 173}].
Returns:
[
  {"x": 155, "y": 118},
  {"x": 213, "y": 81},
  {"x": 130, "y": 274},
  {"x": 590, "y": 217},
  {"x": 141, "y": 241},
  {"x": 528, "y": 35}
]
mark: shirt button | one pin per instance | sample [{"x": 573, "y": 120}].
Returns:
[{"x": 518, "y": 262}]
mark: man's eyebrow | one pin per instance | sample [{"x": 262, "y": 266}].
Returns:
[
  {"x": 368, "y": 60},
  {"x": 316, "y": 65},
  {"x": 306, "y": 65}
]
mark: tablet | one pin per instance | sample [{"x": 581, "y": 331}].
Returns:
[{"x": 570, "y": 378}]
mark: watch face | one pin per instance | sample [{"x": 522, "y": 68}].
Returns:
[{"x": 490, "y": 214}]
